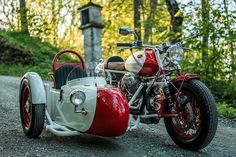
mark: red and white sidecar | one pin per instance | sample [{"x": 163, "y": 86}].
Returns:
[{"x": 72, "y": 104}]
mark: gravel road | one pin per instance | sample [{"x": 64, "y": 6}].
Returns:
[{"x": 147, "y": 141}]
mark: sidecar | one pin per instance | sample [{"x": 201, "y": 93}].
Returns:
[{"x": 72, "y": 103}]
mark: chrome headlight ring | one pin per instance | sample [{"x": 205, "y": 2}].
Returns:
[
  {"x": 175, "y": 53},
  {"x": 77, "y": 97}
]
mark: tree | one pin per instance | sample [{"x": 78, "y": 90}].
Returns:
[
  {"x": 205, "y": 29},
  {"x": 176, "y": 19},
  {"x": 23, "y": 17},
  {"x": 230, "y": 40},
  {"x": 137, "y": 17},
  {"x": 149, "y": 24}
]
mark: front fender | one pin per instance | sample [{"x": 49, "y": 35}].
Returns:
[
  {"x": 186, "y": 77},
  {"x": 36, "y": 87}
]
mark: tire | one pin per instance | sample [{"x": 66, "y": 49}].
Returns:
[
  {"x": 195, "y": 128},
  {"x": 32, "y": 115}
]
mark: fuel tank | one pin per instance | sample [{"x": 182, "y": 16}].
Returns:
[{"x": 143, "y": 63}]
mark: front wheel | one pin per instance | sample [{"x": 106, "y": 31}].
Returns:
[
  {"x": 32, "y": 115},
  {"x": 196, "y": 123}
]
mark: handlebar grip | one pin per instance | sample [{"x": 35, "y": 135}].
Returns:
[{"x": 124, "y": 44}]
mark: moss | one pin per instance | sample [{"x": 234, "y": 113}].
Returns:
[
  {"x": 31, "y": 46},
  {"x": 20, "y": 53}
]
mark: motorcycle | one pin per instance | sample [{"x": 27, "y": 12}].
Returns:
[{"x": 156, "y": 87}]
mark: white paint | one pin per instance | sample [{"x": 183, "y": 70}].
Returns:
[
  {"x": 78, "y": 121},
  {"x": 36, "y": 87},
  {"x": 131, "y": 65},
  {"x": 63, "y": 112}
]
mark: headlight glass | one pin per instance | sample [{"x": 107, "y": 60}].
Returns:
[
  {"x": 176, "y": 53},
  {"x": 77, "y": 97}
]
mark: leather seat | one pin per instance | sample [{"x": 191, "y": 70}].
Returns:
[
  {"x": 114, "y": 63},
  {"x": 63, "y": 72}
]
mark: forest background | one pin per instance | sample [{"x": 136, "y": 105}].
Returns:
[{"x": 32, "y": 31}]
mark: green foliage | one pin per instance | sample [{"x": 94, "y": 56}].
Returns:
[
  {"x": 225, "y": 110},
  {"x": 217, "y": 68},
  {"x": 41, "y": 52},
  {"x": 19, "y": 70},
  {"x": 42, "y": 55}
]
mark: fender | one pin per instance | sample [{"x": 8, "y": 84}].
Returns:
[
  {"x": 186, "y": 77},
  {"x": 36, "y": 87}
]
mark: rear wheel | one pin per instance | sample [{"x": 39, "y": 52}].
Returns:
[
  {"x": 196, "y": 124},
  {"x": 32, "y": 115}
]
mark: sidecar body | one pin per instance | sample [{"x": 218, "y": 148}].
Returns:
[{"x": 72, "y": 103}]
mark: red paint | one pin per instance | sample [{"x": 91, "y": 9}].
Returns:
[
  {"x": 185, "y": 77},
  {"x": 26, "y": 114},
  {"x": 150, "y": 66},
  {"x": 112, "y": 113},
  {"x": 167, "y": 115},
  {"x": 56, "y": 65}
]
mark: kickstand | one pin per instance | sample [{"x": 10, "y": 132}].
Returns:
[{"x": 136, "y": 124}]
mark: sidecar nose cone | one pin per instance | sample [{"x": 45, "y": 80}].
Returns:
[{"x": 112, "y": 113}]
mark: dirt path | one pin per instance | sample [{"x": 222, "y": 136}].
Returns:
[{"x": 148, "y": 140}]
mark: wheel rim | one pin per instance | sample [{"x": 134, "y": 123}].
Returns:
[
  {"x": 26, "y": 107},
  {"x": 189, "y": 122}
]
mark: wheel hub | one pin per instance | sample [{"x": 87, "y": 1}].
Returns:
[
  {"x": 185, "y": 118},
  {"x": 27, "y": 108}
]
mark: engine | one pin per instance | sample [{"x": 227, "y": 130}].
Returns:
[{"x": 129, "y": 84}]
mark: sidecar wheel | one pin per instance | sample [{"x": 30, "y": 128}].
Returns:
[
  {"x": 196, "y": 124},
  {"x": 32, "y": 115}
]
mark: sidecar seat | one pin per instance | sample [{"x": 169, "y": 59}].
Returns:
[
  {"x": 114, "y": 63},
  {"x": 62, "y": 70},
  {"x": 62, "y": 73}
]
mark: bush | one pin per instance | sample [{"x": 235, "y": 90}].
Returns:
[{"x": 225, "y": 110}]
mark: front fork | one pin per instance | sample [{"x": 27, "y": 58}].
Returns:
[{"x": 168, "y": 99}]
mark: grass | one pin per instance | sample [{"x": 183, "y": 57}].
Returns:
[
  {"x": 42, "y": 54},
  {"x": 224, "y": 110},
  {"x": 19, "y": 70},
  {"x": 41, "y": 51}
]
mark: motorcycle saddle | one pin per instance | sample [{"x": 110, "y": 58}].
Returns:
[{"x": 114, "y": 63}]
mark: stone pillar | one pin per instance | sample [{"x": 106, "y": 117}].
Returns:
[{"x": 91, "y": 25}]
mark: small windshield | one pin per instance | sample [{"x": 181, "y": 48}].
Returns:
[{"x": 77, "y": 72}]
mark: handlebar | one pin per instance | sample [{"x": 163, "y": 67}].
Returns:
[
  {"x": 138, "y": 44},
  {"x": 124, "y": 44}
]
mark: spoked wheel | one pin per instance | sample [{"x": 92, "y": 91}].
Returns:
[
  {"x": 32, "y": 115},
  {"x": 196, "y": 124}
]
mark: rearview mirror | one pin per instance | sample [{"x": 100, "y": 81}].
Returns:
[{"x": 125, "y": 31}]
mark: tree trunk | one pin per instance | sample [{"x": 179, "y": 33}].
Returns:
[
  {"x": 205, "y": 34},
  {"x": 176, "y": 19},
  {"x": 137, "y": 17},
  {"x": 148, "y": 23},
  {"x": 23, "y": 17},
  {"x": 54, "y": 22},
  {"x": 230, "y": 41}
]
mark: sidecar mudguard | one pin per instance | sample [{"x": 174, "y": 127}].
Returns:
[
  {"x": 112, "y": 113},
  {"x": 186, "y": 77},
  {"x": 36, "y": 87}
]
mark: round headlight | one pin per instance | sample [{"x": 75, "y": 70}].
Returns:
[
  {"x": 77, "y": 97},
  {"x": 176, "y": 53}
]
